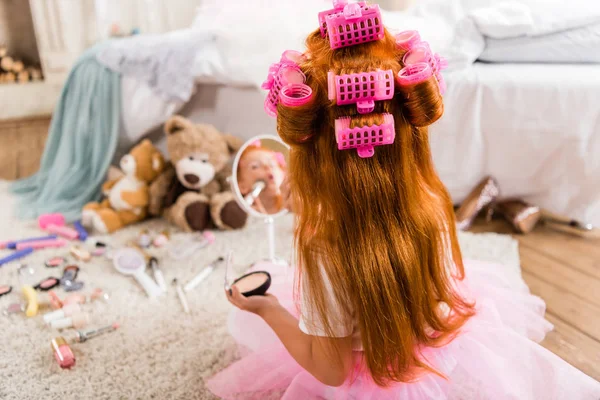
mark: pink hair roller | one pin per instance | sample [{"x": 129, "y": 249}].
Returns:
[
  {"x": 364, "y": 138},
  {"x": 420, "y": 52},
  {"x": 285, "y": 72},
  {"x": 363, "y": 88},
  {"x": 295, "y": 94},
  {"x": 413, "y": 74},
  {"x": 348, "y": 24},
  {"x": 55, "y": 223},
  {"x": 407, "y": 39}
]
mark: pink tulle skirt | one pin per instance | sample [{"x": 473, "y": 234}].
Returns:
[{"x": 494, "y": 357}]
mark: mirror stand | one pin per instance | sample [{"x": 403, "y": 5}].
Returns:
[{"x": 270, "y": 222}]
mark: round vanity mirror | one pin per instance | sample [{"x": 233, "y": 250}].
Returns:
[
  {"x": 258, "y": 172},
  {"x": 259, "y": 169}
]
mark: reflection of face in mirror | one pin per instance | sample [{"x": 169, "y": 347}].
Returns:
[{"x": 261, "y": 171}]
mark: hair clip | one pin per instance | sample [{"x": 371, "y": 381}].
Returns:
[
  {"x": 418, "y": 51},
  {"x": 285, "y": 72},
  {"x": 348, "y": 24},
  {"x": 413, "y": 74},
  {"x": 364, "y": 138},
  {"x": 363, "y": 88}
]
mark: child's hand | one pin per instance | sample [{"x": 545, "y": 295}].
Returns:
[{"x": 254, "y": 304}]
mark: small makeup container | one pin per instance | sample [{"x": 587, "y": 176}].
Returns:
[
  {"x": 99, "y": 249},
  {"x": 69, "y": 275},
  {"x": 161, "y": 239},
  {"x": 253, "y": 284},
  {"x": 5, "y": 289},
  {"x": 55, "y": 262},
  {"x": 62, "y": 352},
  {"x": 77, "y": 320},
  {"x": 47, "y": 284},
  {"x": 14, "y": 308},
  {"x": 144, "y": 239},
  {"x": 66, "y": 311},
  {"x": 80, "y": 253}
]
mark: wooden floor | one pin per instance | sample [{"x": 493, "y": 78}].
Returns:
[{"x": 564, "y": 270}]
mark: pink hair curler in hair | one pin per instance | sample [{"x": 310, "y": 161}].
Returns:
[
  {"x": 295, "y": 94},
  {"x": 349, "y": 24},
  {"x": 285, "y": 72},
  {"x": 55, "y": 223},
  {"x": 364, "y": 138},
  {"x": 421, "y": 53},
  {"x": 363, "y": 88},
  {"x": 415, "y": 73},
  {"x": 407, "y": 39}
]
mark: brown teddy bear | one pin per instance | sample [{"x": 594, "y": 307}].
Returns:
[
  {"x": 193, "y": 193},
  {"x": 127, "y": 197}
]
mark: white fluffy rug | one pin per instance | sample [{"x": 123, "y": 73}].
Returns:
[{"x": 159, "y": 352}]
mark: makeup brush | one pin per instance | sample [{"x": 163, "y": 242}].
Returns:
[
  {"x": 257, "y": 188},
  {"x": 84, "y": 335},
  {"x": 202, "y": 275}
]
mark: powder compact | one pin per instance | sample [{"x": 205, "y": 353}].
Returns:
[
  {"x": 55, "y": 262},
  {"x": 47, "y": 284},
  {"x": 253, "y": 284},
  {"x": 5, "y": 289}
]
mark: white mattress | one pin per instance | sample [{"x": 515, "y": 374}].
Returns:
[{"x": 536, "y": 128}]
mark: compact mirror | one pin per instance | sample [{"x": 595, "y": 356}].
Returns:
[{"x": 259, "y": 169}]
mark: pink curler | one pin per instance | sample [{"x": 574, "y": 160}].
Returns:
[
  {"x": 295, "y": 94},
  {"x": 54, "y": 223},
  {"x": 407, "y": 39},
  {"x": 363, "y": 88},
  {"x": 364, "y": 138},
  {"x": 42, "y": 244},
  {"x": 338, "y": 6},
  {"x": 285, "y": 72},
  {"x": 415, "y": 73},
  {"x": 355, "y": 23},
  {"x": 421, "y": 53}
]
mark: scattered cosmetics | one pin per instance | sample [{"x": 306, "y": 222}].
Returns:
[
  {"x": 55, "y": 223},
  {"x": 14, "y": 308},
  {"x": 144, "y": 239},
  {"x": 31, "y": 297},
  {"x": 16, "y": 255},
  {"x": 83, "y": 234},
  {"x": 187, "y": 248},
  {"x": 71, "y": 286},
  {"x": 55, "y": 262},
  {"x": 161, "y": 239},
  {"x": 77, "y": 320},
  {"x": 66, "y": 311},
  {"x": 181, "y": 295},
  {"x": 5, "y": 289},
  {"x": 82, "y": 336},
  {"x": 80, "y": 253},
  {"x": 158, "y": 275},
  {"x": 62, "y": 352},
  {"x": 130, "y": 261},
  {"x": 47, "y": 284},
  {"x": 202, "y": 275}
]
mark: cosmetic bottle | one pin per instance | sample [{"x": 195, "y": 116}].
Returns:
[{"x": 62, "y": 352}]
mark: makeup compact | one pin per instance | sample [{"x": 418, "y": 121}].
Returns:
[
  {"x": 47, "y": 284},
  {"x": 252, "y": 284},
  {"x": 5, "y": 289},
  {"x": 80, "y": 253},
  {"x": 55, "y": 262}
]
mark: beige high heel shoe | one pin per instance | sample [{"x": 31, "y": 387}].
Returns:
[
  {"x": 522, "y": 216},
  {"x": 484, "y": 194}
]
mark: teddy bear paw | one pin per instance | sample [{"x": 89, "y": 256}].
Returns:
[
  {"x": 233, "y": 216},
  {"x": 197, "y": 215},
  {"x": 87, "y": 218},
  {"x": 98, "y": 224}
]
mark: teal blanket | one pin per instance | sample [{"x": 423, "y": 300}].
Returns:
[{"x": 81, "y": 143}]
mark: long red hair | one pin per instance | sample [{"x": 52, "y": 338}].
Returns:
[{"x": 381, "y": 228}]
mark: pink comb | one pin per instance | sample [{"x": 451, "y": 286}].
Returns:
[
  {"x": 285, "y": 72},
  {"x": 55, "y": 223},
  {"x": 364, "y": 138},
  {"x": 350, "y": 24},
  {"x": 420, "y": 52},
  {"x": 363, "y": 88},
  {"x": 415, "y": 73}
]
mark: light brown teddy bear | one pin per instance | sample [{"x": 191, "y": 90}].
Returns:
[
  {"x": 193, "y": 193},
  {"x": 127, "y": 197}
]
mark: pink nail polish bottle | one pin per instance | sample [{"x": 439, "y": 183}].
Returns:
[{"x": 62, "y": 352}]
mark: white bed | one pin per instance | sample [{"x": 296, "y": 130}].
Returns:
[{"x": 535, "y": 127}]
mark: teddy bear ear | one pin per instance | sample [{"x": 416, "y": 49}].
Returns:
[
  {"x": 176, "y": 123},
  {"x": 233, "y": 143}
]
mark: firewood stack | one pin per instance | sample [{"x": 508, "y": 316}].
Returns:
[{"x": 15, "y": 71}]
